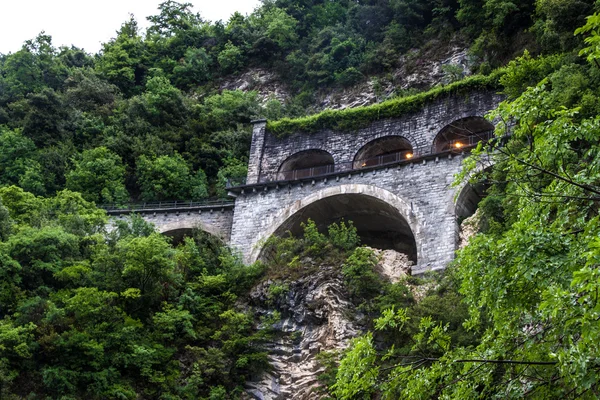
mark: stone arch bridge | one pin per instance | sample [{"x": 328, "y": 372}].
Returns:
[{"x": 393, "y": 179}]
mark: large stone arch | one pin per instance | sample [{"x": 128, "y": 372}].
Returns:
[{"x": 405, "y": 210}]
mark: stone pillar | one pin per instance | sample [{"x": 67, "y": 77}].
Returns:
[{"x": 256, "y": 151}]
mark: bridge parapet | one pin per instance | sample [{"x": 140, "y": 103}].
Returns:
[{"x": 175, "y": 218}]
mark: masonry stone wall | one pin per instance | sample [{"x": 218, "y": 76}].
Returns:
[
  {"x": 422, "y": 193},
  {"x": 216, "y": 221},
  {"x": 419, "y": 128},
  {"x": 420, "y": 190}
]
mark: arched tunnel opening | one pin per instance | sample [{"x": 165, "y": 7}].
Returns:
[
  {"x": 462, "y": 133},
  {"x": 200, "y": 236},
  {"x": 378, "y": 224},
  {"x": 384, "y": 150},
  {"x": 467, "y": 201},
  {"x": 306, "y": 164},
  {"x": 178, "y": 235}
]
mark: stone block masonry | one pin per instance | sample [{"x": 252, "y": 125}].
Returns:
[
  {"x": 422, "y": 193},
  {"x": 417, "y": 194},
  {"x": 215, "y": 220},
  {"x": 408, "y": 204}
]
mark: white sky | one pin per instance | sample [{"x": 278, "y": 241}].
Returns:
[{"x": 88, "y": 23}]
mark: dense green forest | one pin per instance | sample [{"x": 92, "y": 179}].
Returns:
[
  {"x": 143, "y": 120},
  {"x": 86, "y": 313}
]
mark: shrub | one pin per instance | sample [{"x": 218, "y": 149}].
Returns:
[
  {"x": 344, "y": 236},
  {"x": 360, "y": 276}
]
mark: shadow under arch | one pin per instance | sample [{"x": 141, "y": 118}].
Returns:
[
  {"x": 383, "y": 150},
  {"x": 472, "y": 191},
  {"x": 181, "y": 229},
  {"x": 463, "y": 132},
  {"x": 383, "y": 220},
  {"x": 306, "y": 163}
]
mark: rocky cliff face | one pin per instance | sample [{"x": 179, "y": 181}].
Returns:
[
  {"x": 316, "y": 316},
  {"x": 418, "y": 69}
]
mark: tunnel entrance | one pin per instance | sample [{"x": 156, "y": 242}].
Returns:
[
  {"x": 384, "y": 150},
  {"x": 471, "y": 194},
  {"x": 462, "y": 133},
  {"x": 306, "y": 164},
  {"x": 468, "y": 200},
  {"x": 379, "y": 224},
  {"x": 177, "y": 235}
]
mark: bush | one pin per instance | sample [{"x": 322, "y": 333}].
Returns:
[
  {"x": 349, "y": 77},
  {"x": 99, "y": 176},
  {"x": 344, "y": 236},
  {"x": 360, "y": 276},
  {"x": 230, "y": 58}
]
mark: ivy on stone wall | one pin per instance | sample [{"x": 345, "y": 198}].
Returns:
[{"x": 355, "y": 118}]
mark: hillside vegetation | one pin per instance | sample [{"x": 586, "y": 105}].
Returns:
[
  {"x": 87, "y": 313},
  {"x": 144, "y": 120}
]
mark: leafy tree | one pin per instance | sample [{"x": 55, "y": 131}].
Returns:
[
  {"x": 46, "y": 119},
  {"x": 174, "y": 17},
  {"x": 194, "y": 69},
  {"x": 99, "y": 176},
  {"x": 230, "y": 58},
  {"x": 14, "y": 150},
  {"x": 87, "y": 92},
  {"x": 528, "y": 280},
  {"x": 169, "y": 177},
  {"x": 121, "y": 62}
]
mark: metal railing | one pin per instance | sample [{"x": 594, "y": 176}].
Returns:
[
  {"x": 164, "y": 205},
  {"x": 467, "y": 141},
  {"x": 387, "y": 159},
  {"x": 306, "y": 172}
]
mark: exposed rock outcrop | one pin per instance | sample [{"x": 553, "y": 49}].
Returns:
[
  {"x": 265, "y": 82},
  {"x": 317, "y": 316},
  {"x": 393, "y": 265},
  {"x": 469, "y": 228},
  {"x": 418, "y": 69}
]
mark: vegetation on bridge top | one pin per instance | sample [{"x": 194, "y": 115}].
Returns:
[{"x": 355, "y": 118}]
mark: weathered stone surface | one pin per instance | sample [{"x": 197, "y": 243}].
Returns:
[
  {"x": 315, "y": 313},
  {"x": 469, "y": 228},
  {"x": 392, "y": 264},
  {"x": 217, "y": 221},
  {"x": 420, "y": 192}
]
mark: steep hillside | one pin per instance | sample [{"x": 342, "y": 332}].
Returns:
[
  {"x": 163, "y": 114},
  {"x": 88, "y": 312}
]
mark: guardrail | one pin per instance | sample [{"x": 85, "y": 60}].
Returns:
[
  {"x": 467, "y": 141},
  {"x": 165, "y": 205},
  {"x": 387, "y": 159}
]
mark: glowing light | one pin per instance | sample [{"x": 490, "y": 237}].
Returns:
[
  {"x": 364, "y": 164},
  {"x": 409, "y": 155},
  {"x": 458, "y": 145}
]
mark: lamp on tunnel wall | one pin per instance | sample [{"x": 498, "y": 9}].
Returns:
[
  {"x": 409, "y": 155},
  {"x": 458, "y": 145}
]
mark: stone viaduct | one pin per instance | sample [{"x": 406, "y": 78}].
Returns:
[{"x": 393, "y": 179}]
